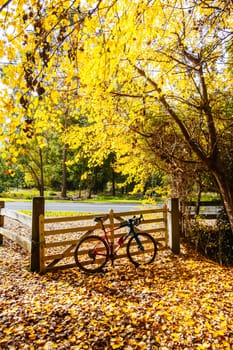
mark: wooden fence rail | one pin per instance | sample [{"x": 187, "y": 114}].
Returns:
[
  {"x": 58, "y": 244},
  {"x": 53, "y": 239},
  {"x": 203, "y": 209},
  {"x": 23, "y": 218}
]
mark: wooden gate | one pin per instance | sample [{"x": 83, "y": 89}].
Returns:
[
  {"x": 52, "y": 241},
  {"x": 59, "y": 236}
]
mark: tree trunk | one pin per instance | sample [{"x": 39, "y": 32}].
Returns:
[
  {"x": 225, "y": 189},
  {"x": 198, "y": 201},
  {"x": 113, "y": 183},
  {"x": 64, "y": 159},
  {"x": 64, "y": 173},
  {"x": 90, "y": 185},
  {"x": 89, "y": 192},
  {"x": 41, "y": 184},
  {"x": 80, "y": 188}
]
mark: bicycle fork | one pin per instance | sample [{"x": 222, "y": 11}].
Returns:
[{"x": 139, "y": 243}]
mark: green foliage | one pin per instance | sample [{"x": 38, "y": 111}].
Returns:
[
  {"x": 23, "y": 194},
  {"x": 9, "y": 178},
  {"x": 215, "y": 242},
  {"x": 83, "y": 78},
  {"x": 223, "y": 221},
  {"x": 210, "y": 196}
]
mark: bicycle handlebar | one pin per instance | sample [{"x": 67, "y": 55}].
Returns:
[
  {"x": 136, "y": 220},
  {"x": 133, "y": 221}
]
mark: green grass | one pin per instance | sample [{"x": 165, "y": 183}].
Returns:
[
  {"x": 208, "y": 197},
  {"x": 9, "y": 199},
  {"x": 28, "y": 195},
  {"x": 19, "y": 195},
  {"x": 56, "y": 213},
  {"x": 112, "y": 199},
  {"x": 50, "y": 195}
]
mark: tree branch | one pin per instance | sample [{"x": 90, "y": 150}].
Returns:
[
  {"x": 124, "y": 94},
  {"x": 174, "y": 116},
  {"x": 4, "y": 5},
  {"x": 208, "y": 113}
]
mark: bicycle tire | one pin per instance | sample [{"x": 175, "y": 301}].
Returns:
[
  {"x": 86, "y": 254},
  {"x": 137, "y": 256}
]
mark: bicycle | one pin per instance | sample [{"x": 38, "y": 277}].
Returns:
[{"x": 93, "y": 252}]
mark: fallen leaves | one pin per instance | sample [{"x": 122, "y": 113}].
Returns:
[{"x": 179, "y": 302}]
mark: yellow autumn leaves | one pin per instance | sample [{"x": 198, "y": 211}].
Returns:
[
  {"x": 179, "y": 302},
  {"x": 113, "y": 62}
]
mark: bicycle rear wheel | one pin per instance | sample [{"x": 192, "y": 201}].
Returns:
[
  {"x": 91, "y": 254},
  {"x": 142, "y": 256}
]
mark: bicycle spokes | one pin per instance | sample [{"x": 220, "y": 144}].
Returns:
[
  {"x": 143, "y": 253},
  {"x": 91, "y": 254}
]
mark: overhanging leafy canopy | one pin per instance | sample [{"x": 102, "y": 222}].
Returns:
[{"x": 151, "y": 77}]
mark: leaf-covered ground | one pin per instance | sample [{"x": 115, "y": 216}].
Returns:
[{"x": 179, "y": 302}]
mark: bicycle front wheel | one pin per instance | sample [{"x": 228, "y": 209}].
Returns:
[
  {"x": 143, "y": 256},
  {"x": 91, "y": 254}
]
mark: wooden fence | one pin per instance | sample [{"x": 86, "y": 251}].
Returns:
[
  {"x": 24, "y": 242},
  {"x": 207, "y": 212},
  {"x": 53, "y": 239},
  {"x": 203, "y": 209}
]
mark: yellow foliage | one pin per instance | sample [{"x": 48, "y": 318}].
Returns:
[{"x": 124, "y": 65}]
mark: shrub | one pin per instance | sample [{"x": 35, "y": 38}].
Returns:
[{"x": 215, "y": 242}]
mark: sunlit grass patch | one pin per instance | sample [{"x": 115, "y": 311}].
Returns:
[{"x": 56, "y": 213}]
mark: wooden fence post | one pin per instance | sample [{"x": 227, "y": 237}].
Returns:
[
  {"x": 165, "y": 224},
  {"x": 173, "y": 225},
  {"x": 42, "y": 243},
  {"x": 37, "y": 210},
  {"x": 2, "y": 205}
]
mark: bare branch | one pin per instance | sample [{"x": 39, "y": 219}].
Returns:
[
  {"x": 208, "y": 113},
  {"x": 4, "y": 5},
  {"x": 174, "y": 116}
]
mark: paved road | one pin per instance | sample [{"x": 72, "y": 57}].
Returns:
[{"x": 77, "y": 206}]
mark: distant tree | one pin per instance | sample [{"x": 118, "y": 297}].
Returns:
[
  {"x": 10, "y": 174},
  {"x": 153, "y": 78}
]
